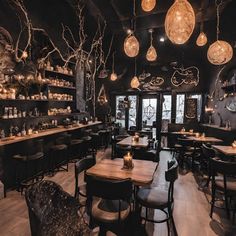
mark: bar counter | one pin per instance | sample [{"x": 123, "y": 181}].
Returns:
[{"x": 59, "y": 129}]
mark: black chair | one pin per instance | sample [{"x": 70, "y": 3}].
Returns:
[
  {"x": 53, "y": 211},
  {"x": 227, "y": 185},
  {"x": 208, "y": 154},
  {"x": 112, "y": 210},
  {"x": 156, "y": 198},
  {"x": 80, "y": 166}
]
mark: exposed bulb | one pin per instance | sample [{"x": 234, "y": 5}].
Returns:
[
  {"x": 24, "y": 55},
  {"x": 180, "y": 22},
  {"x": 148, "y": 5},
  {"x": 151, "y": 54},
  {"x": 113, "y": 76},
  {"x": 131, "y": 46},
  {"x": 220, "y": 52},
  {"x": 134, "y": 82},
  {"x": 201, "y": 39}
]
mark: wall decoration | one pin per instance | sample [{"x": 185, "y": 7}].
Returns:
[
  {"x": 102, "y": 97},
  {"x": 149, "y": 111},
  {"x": 190, "y": 109},
  {"x": 154, "y": 83},
  {"x": 231, "y": 105},
  {"x": 188, "y": 76}
]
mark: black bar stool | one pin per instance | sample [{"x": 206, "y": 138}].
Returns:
[{"x": 29, "y": 164}]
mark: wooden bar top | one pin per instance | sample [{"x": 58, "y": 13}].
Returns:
[
  {"x": 227, "y": 150},
  {"x": 59, "y": 129},
  {"x": 143, "y": 142},
  {"x": 142, "y": 174}
]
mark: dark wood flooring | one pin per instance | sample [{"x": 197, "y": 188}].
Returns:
[{"x": 191, "y": 212}]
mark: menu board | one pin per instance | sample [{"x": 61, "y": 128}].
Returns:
[{"x": 190, "y": 109}]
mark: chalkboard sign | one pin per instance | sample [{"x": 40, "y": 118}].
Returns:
[{"x": 190, "y": 109}]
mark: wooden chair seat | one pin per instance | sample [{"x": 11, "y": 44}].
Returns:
[
  {"x": 153, "y": 198},
  {"x": 107, "y": 211}
]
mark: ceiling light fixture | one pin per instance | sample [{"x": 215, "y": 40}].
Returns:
[
  {"x": 162, "y": 39},
  {"x": 180, "y": 22},
  {"x": 135, "y": 81},
  {"x": 219, "y": 52},
  {"x": 113, "y": 76},
  {"x": 148, "y": 5},
  {"x": 202, "y": 38},
  {"x": 131, "y": 44},
  {"x": 151, "y": 54}
]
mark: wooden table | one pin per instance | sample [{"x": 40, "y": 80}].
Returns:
[
  {"x": 226, "y": 150},
  {"x": 183, "y": 133},
  {"x": 141, "y": 175},
  {"x": 205, "y": 139},
  {"x": 143, "y": 142}
]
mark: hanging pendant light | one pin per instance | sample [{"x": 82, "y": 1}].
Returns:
[
  {"x": 113, "y": 76},
  {"x": 131, "y": 46},
  {"x": 131, "y": 43},
  {"x": 135, "y": 81},
  {"x": 219, "y": 52},
  {"x": 201, "y": 39},
  {"x": 148, "y": 5},
  {"x": 151, "y": 54},
  {"x": 180, "y": 22}
]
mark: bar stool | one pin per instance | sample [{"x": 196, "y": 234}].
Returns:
[
  {"x": 87, "y": 145},
  {"x": 105, "y": 137},
  {"x": 29, "y": 164},
  {"x": 59, "y": 155},
  {"x": 94, "y": 142}
]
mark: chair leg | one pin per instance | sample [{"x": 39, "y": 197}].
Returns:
[
  {"x": 102, "y": 231},
  {"x": 168, "y": 227},
  {"x": 227, "y": 206},
  {"x": 212, "y": 201}
]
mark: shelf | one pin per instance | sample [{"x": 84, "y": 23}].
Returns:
[
  {"x": 64, "y": 87},
  {"x": 59, "y": 73},
  {"x": 39, "y": 117},
  {"x": 229, "y": 88},
  {"x": 24, "y": 100}
]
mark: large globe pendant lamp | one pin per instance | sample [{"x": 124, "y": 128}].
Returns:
[
  {"x": 113, "y": 76},
  {"x": 148, "y": 5},
  {"x": 180, "y": 22},
  {"x": 219, "y": 52},
  {"x": 131, "y": 46},
  {"x": 135, "y": 81},
  {"x": 151, "y": 54}
]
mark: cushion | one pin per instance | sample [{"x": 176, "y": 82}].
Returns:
[
  {"x": 108, "y": 210},
  {"x": 153, "y": 197}
]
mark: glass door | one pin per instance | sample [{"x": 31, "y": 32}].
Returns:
[{"x": 126, "y": 111}]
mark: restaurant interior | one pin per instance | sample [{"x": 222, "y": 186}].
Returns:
[{"x": 117, "y": 117}]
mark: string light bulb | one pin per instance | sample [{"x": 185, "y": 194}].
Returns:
[
  {"x": 219, "y": 52},
  {"x": 151, "y": 54},
  {"x": 135, "y": 81},
  {"x": 180, "y": 22},
  {"x": 113, "y": 76},
  {"x": 148, "y": 5}
]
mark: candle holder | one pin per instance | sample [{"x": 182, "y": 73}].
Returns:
[
  {"x": 128, "y": 162},
  {"x": 136, "y": 137}
]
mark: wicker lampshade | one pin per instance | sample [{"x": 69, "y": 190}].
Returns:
[
  {"x": 201, "y": 39},
  {"x": 131, "y": 46},
  {"x": 220, "y": 52},
  {"x": 180, "y": 22},
  {"x": 113, "y": 76},
  {"x": 151, "y": 54},
  {"x": 134, "y": 82},
  {"x": 148, "y": 5}
]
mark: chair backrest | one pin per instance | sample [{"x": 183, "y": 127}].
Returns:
[
  {"x": 84, "y": 164},
  {"x": 185, "y": 142},
  {"x": 171, "y": 175},
  {"x": 53, "y": 211},
  {"x": 207, "y": 151},
  {"x": 109, "y": 189},
  {"x": 226, "y": 168}
]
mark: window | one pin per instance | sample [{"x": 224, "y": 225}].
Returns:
[
  {"x": 180, "y": 100},
  {"x": 120, "y": 110},
  {"x": 149, "y": 112},
  {"x": 199, "y": 104},
  {"x": 132, "y": 111},
  {"x": 166, "y": 107}
]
